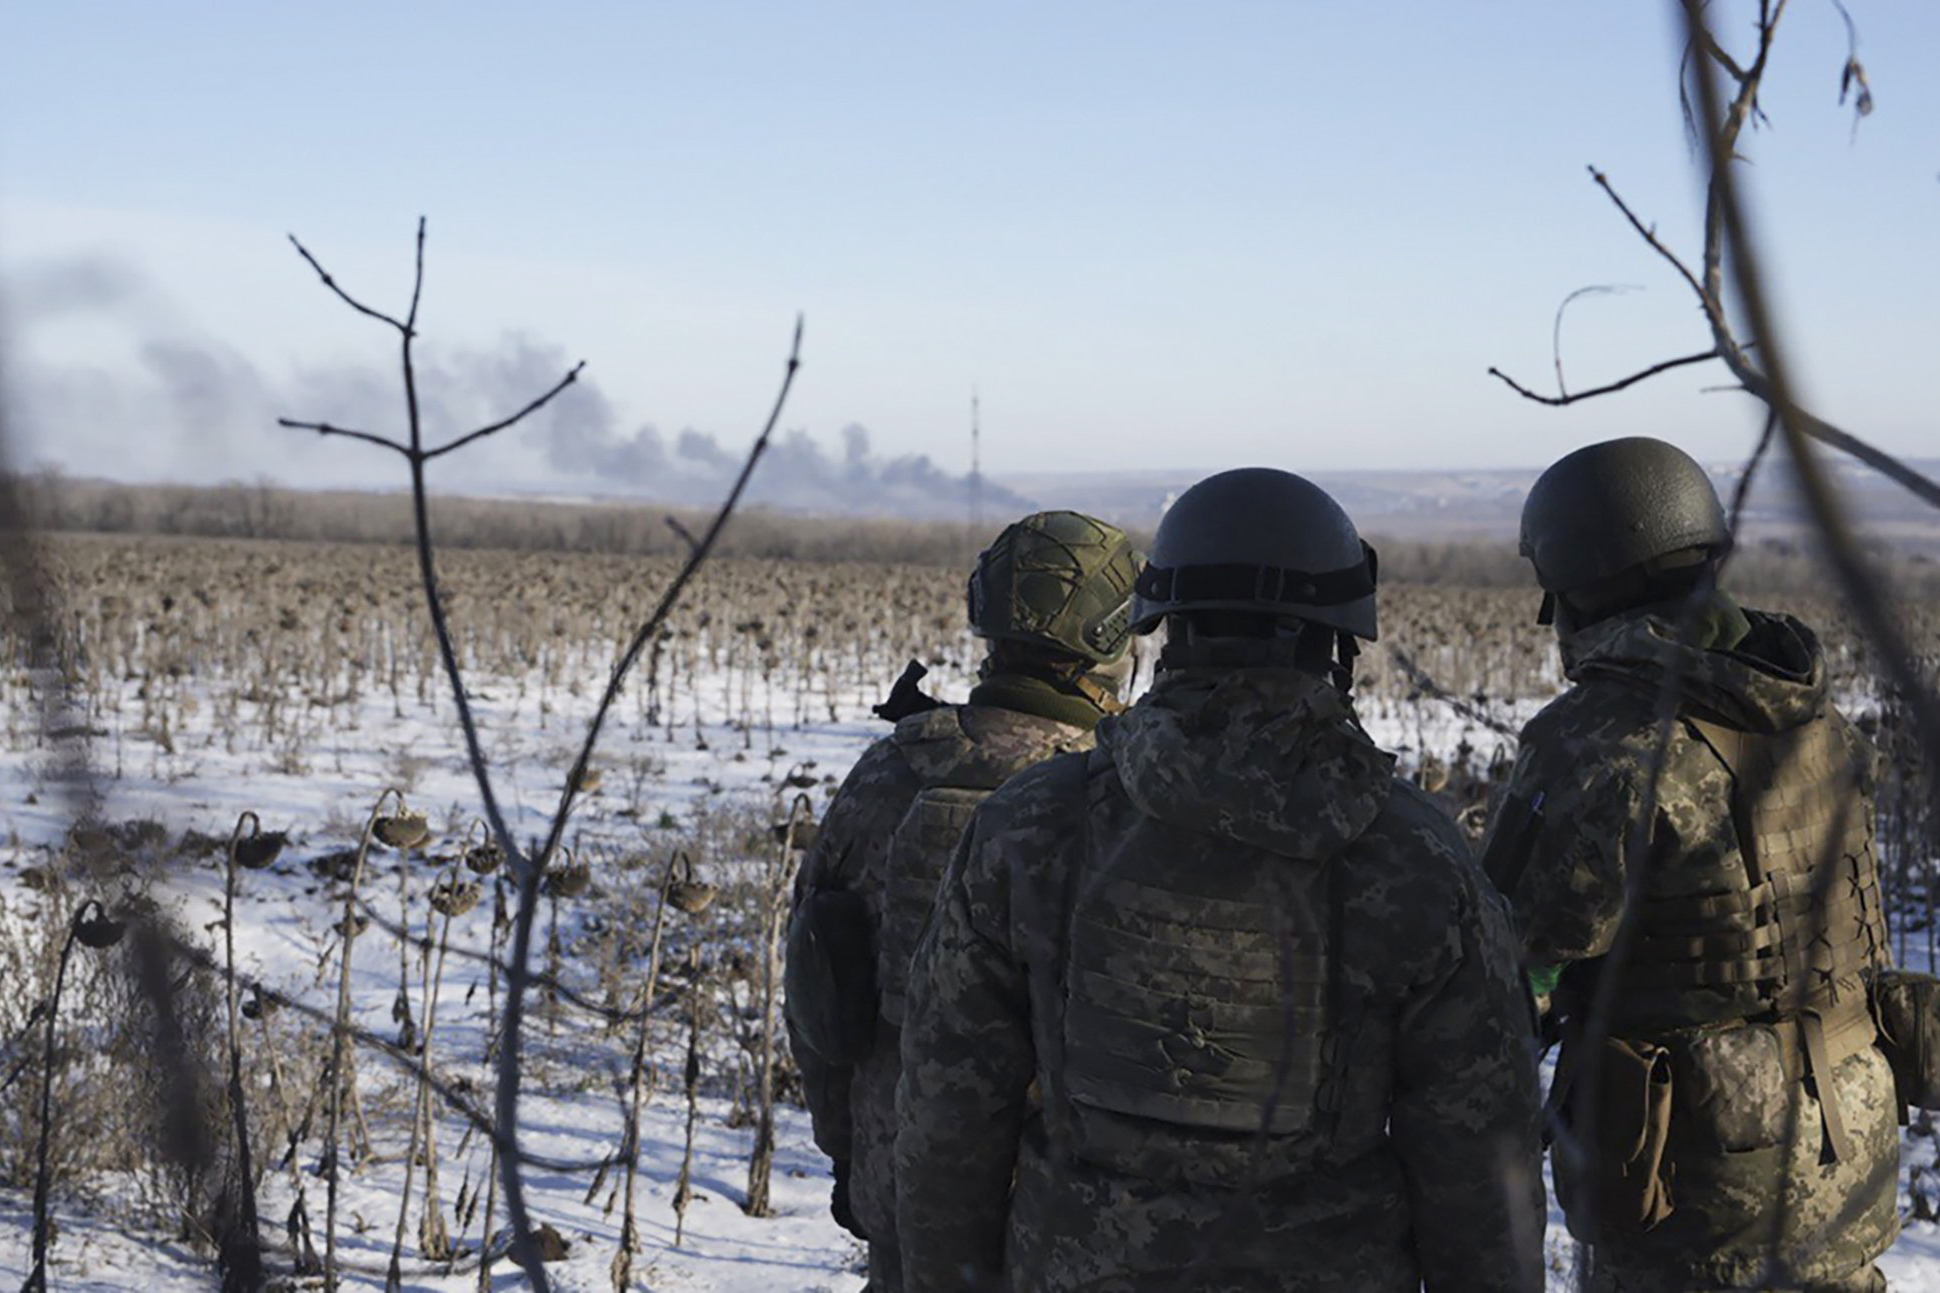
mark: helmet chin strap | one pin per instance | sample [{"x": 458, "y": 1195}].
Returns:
[
  {"x": 1346, "y": 648},
  {"x": 1098, "y": 692}
]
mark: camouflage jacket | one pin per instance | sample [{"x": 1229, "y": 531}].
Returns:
[
  {"x": 1560, "y": 848},
  {"x": 853, "y": 1108},
  {"x": 1420, "y": 1160}
]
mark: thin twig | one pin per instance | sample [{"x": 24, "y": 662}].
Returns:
[
  {"x": 1828, "y": 514},
  {"x": 571, "y": 376},
  {"x": 346, "y": 297},
  {"x": 1466, "y": 708},
  {"x": 1562, "y": 307},
  {"x": 516, "y": 978},
  {"x": 1558, "y": 401},
  {"x": 607, "y": 1014},
  {"x": 324, "y": 428},
  {"x": 1647, "y": 232},
  {"x": 417, "y": 284},
  {"x": 453, "y": 1092},
  {"x": 1741, "y": 493},
  {"x": 526, "y": 870}
]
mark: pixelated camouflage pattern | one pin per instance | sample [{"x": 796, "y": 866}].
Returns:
[
  {"x": 853, "y": 1108},
  {"x": 1619, "y": 1280},
  {"x": 1586, "y": 759},
  {"x": 1430, "y": 1169}
]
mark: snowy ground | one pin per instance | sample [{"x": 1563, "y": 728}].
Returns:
[{"x": 658, "y": 782}]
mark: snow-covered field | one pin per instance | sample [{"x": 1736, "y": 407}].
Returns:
[{"x": 662, "y": 784}]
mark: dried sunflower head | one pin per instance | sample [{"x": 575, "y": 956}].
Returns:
[
  {"x": 569, "y": 880},
  {"x": 691, "y": 896},
  {"x": 97, "y": 930},
  {"x": 483, "y": 859},
  {"x": 403, "y": 829},
  {"x": 454, "y": 897},
  {"x": 259, "y": 850},
  {"x": 796, "y": 834}
]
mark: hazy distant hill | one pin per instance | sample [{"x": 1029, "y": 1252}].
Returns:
[{"x": 1487, "y": 504}]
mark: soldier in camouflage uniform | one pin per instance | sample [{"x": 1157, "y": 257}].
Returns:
[
  {"x": 1223, "y": 1004},
  {"x": 1742, "y": 1111},
  {"x": 1053, "y": 596}
]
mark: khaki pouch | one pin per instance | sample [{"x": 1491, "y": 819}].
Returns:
[
  {"x": 1734, "y": 1088},
  {"x": 1626, "y": 1139},
  {"x": 1906, "y": 1006}
]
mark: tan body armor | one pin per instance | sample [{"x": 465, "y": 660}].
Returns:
[
  {"x": 1198, "y": 1031},
  {"x": 1788, "y": 929},
  {"x": 961, "y": 754}
]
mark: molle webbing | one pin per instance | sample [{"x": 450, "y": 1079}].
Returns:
[
  {"x": 1198, "y": 994},
  {"x": 1806, "y": 922},
  {"x": 958, "y": 773},
  {"x": 919, "y": 853},
  {"x": 1809, "y": 914}
]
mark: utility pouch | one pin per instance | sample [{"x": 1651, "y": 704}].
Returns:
[
  {"x": 1627, "y": 1136},
  {"x": 1906, "y": 1006},
  {"x": 830, "y": 976},
  {"x": 1734, "y": 1088}
]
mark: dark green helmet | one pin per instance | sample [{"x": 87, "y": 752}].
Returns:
[
  {"x": 1618, "y": 506},
  {"x": 1258, "y": 539},
  {"x": 1061, "y": 580}
]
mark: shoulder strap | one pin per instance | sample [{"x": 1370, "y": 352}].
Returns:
[
  {"x": 1049, "y": 969},
  {"x": 1731, "y": 747},
  {"x": 1736, "y": 751}
]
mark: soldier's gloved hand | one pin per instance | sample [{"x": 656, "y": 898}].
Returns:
[{"x": 839, "y": 1202}]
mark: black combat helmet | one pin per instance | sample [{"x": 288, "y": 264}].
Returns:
[
  {"x": 1618, "y": 506},
  {"x": 1061, "y": 580},
  {"x": 1259, "y": 540}
]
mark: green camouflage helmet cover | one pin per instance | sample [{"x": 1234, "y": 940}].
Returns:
[
  {"x": 1615, "y": 506},
  {"x": 1263, "y": 540},
  {"x": 1061, "y": 580}
]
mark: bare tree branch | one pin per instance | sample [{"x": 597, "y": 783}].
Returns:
[
  {"x": 1862, "y": 590},
  {"x": 527, "y": 870},
  {"x": 463, "y": 440},
  {"x": 1556, "y": 328},
  {"x": 324, "y": 428},
  {"x": 1920, "y": 485},
  {"x": 1828, "y": 514},
  {"x": 1558, "y": 401},
  {"x": 417, "y": 283},
  {"x": 1742, "y": 109},
  {"x": 1742, "y": 491},
  {"x": 686, "y": 535},
  {"x": 344, "y": 296},
  {"x": 1708, "y": 285},
  {"x": 520, "y": 954},
  {"x": 1647, "y": 232},
  {"x": 1426, "y": 683},
  {"x": 455, "y": 1092}
]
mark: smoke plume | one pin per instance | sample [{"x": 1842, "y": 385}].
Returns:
[{"x": 166, "y": 400}]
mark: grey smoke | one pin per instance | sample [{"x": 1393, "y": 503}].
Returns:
[
  {"x": 79, "y": 285},
  {"x": 177, "y": 403}
]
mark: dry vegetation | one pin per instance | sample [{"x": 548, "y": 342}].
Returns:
[{"x": 275, "y": 646}]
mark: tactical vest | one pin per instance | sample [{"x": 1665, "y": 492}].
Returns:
[
  {"x": 1790, "y": 927},
  {"x": 958, "y": 772},
  {"x": 1197, "y": 1000}
]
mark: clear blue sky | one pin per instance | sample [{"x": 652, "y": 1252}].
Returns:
[{"x": 1157, "y": 235}]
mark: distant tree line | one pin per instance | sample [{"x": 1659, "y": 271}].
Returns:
[{"x": 261, "y": 510}]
